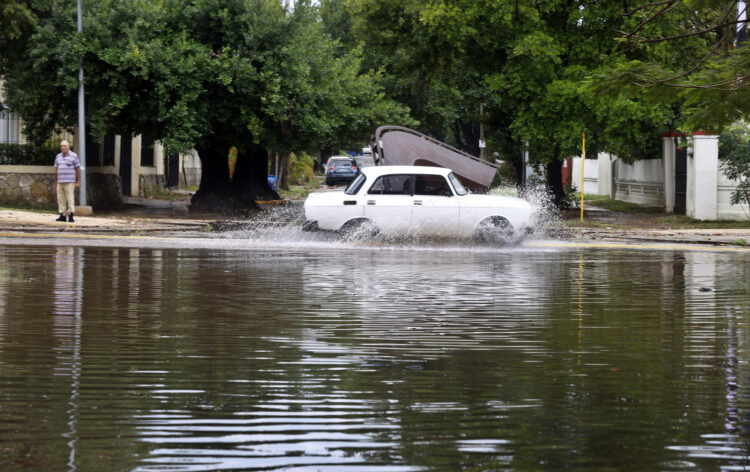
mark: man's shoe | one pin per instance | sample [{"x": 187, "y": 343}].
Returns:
[
  {"x": 61, "y": 218},
  {"x": 70, "y": 218}
]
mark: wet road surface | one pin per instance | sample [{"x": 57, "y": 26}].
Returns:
[{"x": 282, "y": 351}]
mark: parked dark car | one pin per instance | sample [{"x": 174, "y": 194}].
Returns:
[{"x": 341, "y": 170}]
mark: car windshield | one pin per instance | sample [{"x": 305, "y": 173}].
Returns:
[
  {"x": 338, "y": 164},
  {"x": 457, "y": 185},
  {"x": 354, "y": 187}
]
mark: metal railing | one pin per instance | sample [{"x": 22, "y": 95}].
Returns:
[
  {"x": 15, "y": 149},
  {"x": 28, "y": 154}
]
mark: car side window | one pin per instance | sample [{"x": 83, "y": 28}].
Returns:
[
  {"x": 431, "y": 185},
  {"x": 391, "y": 185}
]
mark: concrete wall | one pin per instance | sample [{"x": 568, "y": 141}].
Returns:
[
  {"x": 641, "y": 182},
  {"x": 190, "y": 169},
  {"x": 652, "y": 182},
  {"x": 597, "y": 175}
]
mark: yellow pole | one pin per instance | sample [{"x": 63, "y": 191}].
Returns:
[{"x": 583, "y": 162}]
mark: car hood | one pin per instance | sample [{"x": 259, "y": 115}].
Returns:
[{"x": 320, "y": 198}]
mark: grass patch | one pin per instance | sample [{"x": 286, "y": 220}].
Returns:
[
  {"x": 167, "y": 195},
  {"x": 300, "y": 192},
  {"x": 587, "y": 223},
  {"x": 686, "y": 222},
  {"x": 619, "y": 205}
]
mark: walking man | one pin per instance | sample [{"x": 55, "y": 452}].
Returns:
[{"x": 67, "y": 178}]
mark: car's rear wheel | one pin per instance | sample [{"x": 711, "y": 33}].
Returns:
[
  {"x": 360, "y": 229},
  {"x": 494, "y": 230}
]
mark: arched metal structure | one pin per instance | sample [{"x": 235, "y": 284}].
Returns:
[{"x": 396, "y": 145}]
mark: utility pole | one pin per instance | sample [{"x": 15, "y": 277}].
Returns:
[{"x": 81, "y": 119}]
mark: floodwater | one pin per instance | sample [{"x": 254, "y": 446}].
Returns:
[{"x": 238, "y": 354}]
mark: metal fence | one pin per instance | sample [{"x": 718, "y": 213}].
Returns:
[{"x": 16, "y": 150}]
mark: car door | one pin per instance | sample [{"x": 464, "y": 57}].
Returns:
[
  {"x": 436, "y": 208},
  {"x": 388, "y": 202}
]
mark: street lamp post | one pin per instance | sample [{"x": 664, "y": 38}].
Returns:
[{"x": 81, "y": 119}]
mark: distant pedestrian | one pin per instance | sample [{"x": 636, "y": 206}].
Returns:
[{"x": 67, "y": 178}]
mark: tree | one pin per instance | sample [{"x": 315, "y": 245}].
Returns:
[
  {"x": 433, "y": 81},
  {"x": 685, "y": 51},
  {"x": 533, "y": 59},
  {"x": 203, "y": 74}
]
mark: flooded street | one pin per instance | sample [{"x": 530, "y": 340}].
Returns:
[{"x": 312, "y": 355}]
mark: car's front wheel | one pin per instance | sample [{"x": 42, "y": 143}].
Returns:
[
  {"x": 494, "y": 230},
  {"x": 360, "y": 229},
  {"x": 310, "y": 225}
]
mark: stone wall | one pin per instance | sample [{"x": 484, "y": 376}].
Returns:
[
  {"x": 151, "y": 184},
  {"x": 27, "y": 189},
  {"x": 31, "y": 187},
  {"x": 104, "y": 191}
]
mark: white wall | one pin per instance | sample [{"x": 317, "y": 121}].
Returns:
[
  {"x": 641, "y": 182},
  {"x": 597, "y": 175},
  {"x": 590, "y": 176},
  {"x": 724, "y": 208},
  {"x": 647, "y": 182}
]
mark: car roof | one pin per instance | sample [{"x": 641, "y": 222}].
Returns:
[
  {"x": 340, "y": 157},
  {"x": 377, "y": 171}
]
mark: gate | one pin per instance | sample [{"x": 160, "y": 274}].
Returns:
[
  {"x": 680, "y": 181},
  {"x": 126, "y": 163},
  {"x": 172, "y": 168}
]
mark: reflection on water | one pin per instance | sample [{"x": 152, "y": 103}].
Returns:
[{"x": 363, "y": 358}]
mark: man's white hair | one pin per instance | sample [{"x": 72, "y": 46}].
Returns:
[{"x": 64, "y": 142}]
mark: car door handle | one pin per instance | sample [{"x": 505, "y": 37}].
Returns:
[
  {"x": 370, "y": 202},
  {"x": 417, "y": 202},
  {"x": 350, "y": 202}
]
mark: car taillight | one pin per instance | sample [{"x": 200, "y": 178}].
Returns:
[
  {"x": 354, "y": 167},
  {"x": 330, "y": 168}
]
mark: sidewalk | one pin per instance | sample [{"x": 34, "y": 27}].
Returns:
[
  {"x": 128, "y": 221},
  {"x": 603, "y": 224}
]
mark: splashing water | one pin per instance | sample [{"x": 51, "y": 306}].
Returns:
[{"x": 282, "y": 225}]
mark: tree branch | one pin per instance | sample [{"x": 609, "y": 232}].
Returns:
[
  {"x": 671, "y": 5},
  {"x": 642, "y": 7}
]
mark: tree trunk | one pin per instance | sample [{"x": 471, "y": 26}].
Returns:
[
  {"x": 250, "y": 182},
  {"x": 555, "y": 183},
  {"x": 236, "y": 197},
  {"x": 285, "y": 168}
]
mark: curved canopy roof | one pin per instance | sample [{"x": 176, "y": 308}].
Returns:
[{"x": 396, "y": 145}]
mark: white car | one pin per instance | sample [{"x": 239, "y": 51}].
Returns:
[{"x": 416, "y": 200}]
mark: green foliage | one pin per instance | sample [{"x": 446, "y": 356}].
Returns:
[
  {"x": 734, "y": 152},
  {"x": 685, "y": 55},
  {"x": 301, "y": 169},
  {"x": 201, "y": 72}
]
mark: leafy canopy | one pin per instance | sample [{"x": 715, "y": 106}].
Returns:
[{"x": 199, "y": 72}]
